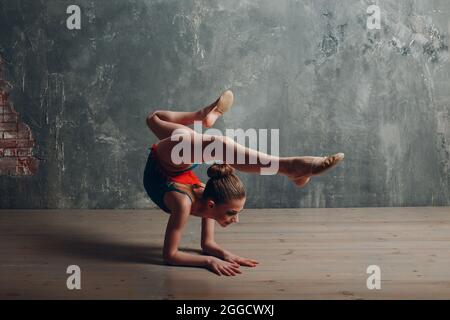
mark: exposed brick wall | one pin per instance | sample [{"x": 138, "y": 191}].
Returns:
[{"x": 16, "y": 141}]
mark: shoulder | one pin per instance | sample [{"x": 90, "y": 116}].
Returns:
[{"x": 177, "y": 202}]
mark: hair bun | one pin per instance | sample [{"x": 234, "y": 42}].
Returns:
[{"x": 219, "y": 171}]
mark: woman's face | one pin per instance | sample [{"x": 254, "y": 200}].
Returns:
[{"x": 228, "y": 213}]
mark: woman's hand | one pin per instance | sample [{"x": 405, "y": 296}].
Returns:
[
  {"x": 221, "y": 267},
  {"x": 240, "y": 260}
]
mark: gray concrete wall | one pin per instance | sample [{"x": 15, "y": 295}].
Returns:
[{"x": 310, "y": 68}]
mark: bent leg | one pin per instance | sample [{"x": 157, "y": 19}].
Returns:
[{"x": 164, "y": 122}]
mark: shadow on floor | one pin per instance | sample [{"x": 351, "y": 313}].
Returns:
[{"x": 67, "y": 242}]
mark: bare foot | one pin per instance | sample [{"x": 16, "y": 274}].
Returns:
[
  {"x": 217, "y": 108},
  {"x": 298, "y": 169},
  {"x": 208, "y": 120},
  {"x": 301, "y": 169},
  {"x": 211, "y": 115}
]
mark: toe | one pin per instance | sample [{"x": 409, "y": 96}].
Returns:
[{"x": 322, "y": 164}]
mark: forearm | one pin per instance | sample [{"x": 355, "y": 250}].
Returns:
[
  {"x": 186, "y": 259},
  {"x": 214, "y": 249}
]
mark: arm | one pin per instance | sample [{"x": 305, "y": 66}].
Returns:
[
  {"x": 180, "y": 213},
  {"x": 210, "y": 246},
  {"x": 208, "y": 243},
  {"x": 180, "y": 207}
]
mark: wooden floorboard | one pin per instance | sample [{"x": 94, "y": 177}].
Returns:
[{"x": 303, "y": 254}]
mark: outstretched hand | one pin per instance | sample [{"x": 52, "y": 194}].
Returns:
[
  {"x": 221, "y": 267},
  {"x": 240, "y": 260}
]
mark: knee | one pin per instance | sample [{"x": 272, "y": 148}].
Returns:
[{"x": 152, "y": 118}]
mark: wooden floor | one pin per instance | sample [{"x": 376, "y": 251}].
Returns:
[{"x": 303, "y": 254}]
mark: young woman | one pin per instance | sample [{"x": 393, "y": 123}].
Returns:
[{"x": 175, "y": 188}]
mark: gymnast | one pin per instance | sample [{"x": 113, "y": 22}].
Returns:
[{"x": 175, "y": 188}]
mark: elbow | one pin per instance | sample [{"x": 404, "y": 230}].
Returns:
[
  {"x": 206, "y": 245},
  {"x": 151, "y": 118},
  {"x": 169, "y": 258}
]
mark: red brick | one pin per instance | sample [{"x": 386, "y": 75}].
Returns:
[
  {"x": 10, "y": 153},
  {"x": 8, "y": 166},
  {"x": 23, "y": 152},
  {"x": 6, "y": 107},
  {"x": 9, "y": 134},
  {"x": 20, "y": 171},
  {"x": 8, "y": 171},
  {"x": 10, "y": 117},
  {"x": 24, "y": 135},
  {"x": 27, "y": 166},
  {"x": 8, "y": 143},
  {"x": 16, "y": 141},
  {"x": 8, "y": 126},
  {"x": 8, "y": 162},
  {"x": 25, "y": 143}
]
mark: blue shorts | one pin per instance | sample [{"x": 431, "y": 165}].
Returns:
[{"x": 156, "y": 184}]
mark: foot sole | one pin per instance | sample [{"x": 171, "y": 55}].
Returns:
[{"x": 225, "y": 101}]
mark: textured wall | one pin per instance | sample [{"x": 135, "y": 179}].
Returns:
[{"x": 308, "y": 67}]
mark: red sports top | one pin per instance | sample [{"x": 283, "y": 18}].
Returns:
[{"x": 186, "y": 177}]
